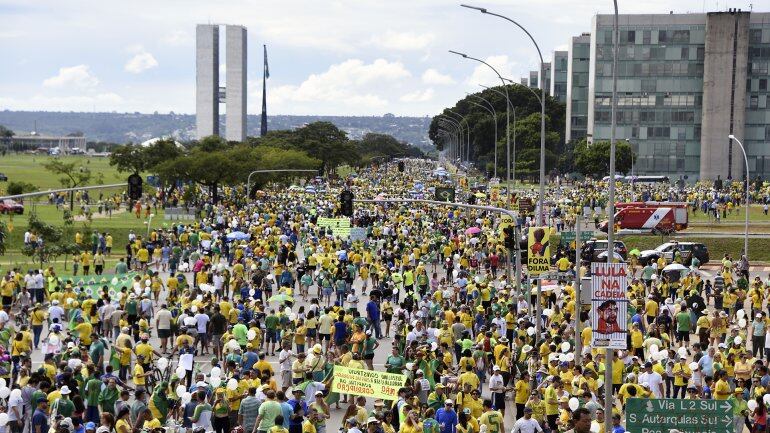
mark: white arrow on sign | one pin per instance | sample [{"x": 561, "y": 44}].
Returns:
[
  {"x": 726, "y": 406},
  {"x": 727, "y": 420}
]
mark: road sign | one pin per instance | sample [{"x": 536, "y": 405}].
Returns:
[
  {"x": 567, "y": 237},
  {"x": 445, "y": 194},
  {"x": 686, "y": 416}
]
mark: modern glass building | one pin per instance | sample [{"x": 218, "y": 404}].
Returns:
[
  {"x": 685, "y": 82},
  {"x": 558, "y": 81},
  {"x": 533, "y": 79},
  {"x": 544, "y": 78},
  {"x": 578, "y": 59}
]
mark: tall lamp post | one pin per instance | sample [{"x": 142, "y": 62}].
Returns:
[
  {"x": 468, "y": 134},
  {"x": 455, "y": 129},
  {"x": 458, "y": 126},
  {"x": 541, "y": 212},
  {"x": 509, "y": 109},
  {"x": 608, "y": 401},
  {"x": 507, "y": 112},
  {"x": 489, "y": 108},
  {"x": 746, "y": 160}
]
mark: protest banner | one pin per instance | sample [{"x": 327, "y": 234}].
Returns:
[
  {"x": 339, "y": 226},
  {"x": 609, "y": 305},
  {"x": 538, "y": 251},
  {"x": 368, "y": 383}
]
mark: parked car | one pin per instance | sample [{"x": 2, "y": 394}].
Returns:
[
  {"x": 11, "y": 206},
  {"x": 593, "y": 248},
  {"x": 666, "y": 250},
  {"x": 3, "y": 177}
]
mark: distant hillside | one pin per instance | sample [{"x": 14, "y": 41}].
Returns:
[{"x": 137, "y": 127}]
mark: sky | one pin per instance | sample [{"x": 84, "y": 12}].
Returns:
[{"x": 326, "y": 57}]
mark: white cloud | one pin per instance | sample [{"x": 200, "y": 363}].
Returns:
[
  {"x": 404, "y": 41},
  {"x": 351, "y": 83},
  {"x": 432, "y": 76},
  {"x": 482, "y": 74},
  {"x": 177, "y": 38},
  {"x": 418, "y": 96},
  {"x": 76, "y": 76},
  {"x": 141, "y": 62}
]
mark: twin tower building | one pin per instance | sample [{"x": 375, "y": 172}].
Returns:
[{"x": 210, "y": 91}]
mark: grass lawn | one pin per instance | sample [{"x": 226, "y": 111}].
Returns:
[
  {"x": 759, "y": 249},
  {"x": 119, "y": 226},
  {"x": 739, "y": 216},
  {"x": 29, "y": 168}
]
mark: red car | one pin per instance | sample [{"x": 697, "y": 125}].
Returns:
[{"x": 10, "y": 206}]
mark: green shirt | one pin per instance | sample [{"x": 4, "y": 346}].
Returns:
[
  {"x": 683, "y": 321},
  {"x": 271, "y": 322},
  {"x": 241, "y": 332},
  {"x": 396, "y": 364},
  {"x": 93, "y": 389},
  {"x": 199, "y": 409},
  {"x": 121, "y": 268},
  {"x": 65, "y": 407},
  {"x": 268, "y": 411}
]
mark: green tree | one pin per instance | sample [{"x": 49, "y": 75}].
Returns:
[
  {"x": 71, "y": 175},
  {"x": 54, "y": 242},
  {"x": 327, "y": 143},
  {"x": 129, "y": 158},
  {"x": 374, "y": 145},
  {"x": 16, "y": 188},
  {"x": 212, "y": 143},
  {"x": 594, "y": 159}
]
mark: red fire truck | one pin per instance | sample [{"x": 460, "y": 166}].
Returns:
[{"x": 650, "y": 217}]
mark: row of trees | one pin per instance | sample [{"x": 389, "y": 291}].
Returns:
[
  {"x": 590, "y": 160},
  {"x": 213, "y": 162}
]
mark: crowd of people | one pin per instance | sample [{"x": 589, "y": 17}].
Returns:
[{"x": 234, "y": 322}]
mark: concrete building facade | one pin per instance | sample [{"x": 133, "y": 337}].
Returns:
[
  {"x": 544, "y": 78},
  {"x": 578, "y": 59},
  {"x": 533, "y": 79},
  {"x": 558, "y": 81},
  {"x": 209, "y": 92},
  {"x": 685, "y": 82}
]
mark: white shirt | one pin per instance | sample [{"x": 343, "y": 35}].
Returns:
[
  {"x": 284, "y": 360},
  {"x": 653, "y": 379},
  {"x": 496, "y": 381},
  {"x": 524, "y": 425}
]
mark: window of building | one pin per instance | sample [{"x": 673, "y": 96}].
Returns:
[
  {"x": 755, "y": 36},
  {"x": 635, "y": 131},
  {"x": 685, "y": 53},
  {"x": 753, "y": 102},
  {"x": 662, "y": 36},
  {"x": 762, "y": 84},
  {"x": 608, "y": 37},
  {"x": 700, "y": 53},
  {"x": 649, "y": 85},
  {"x": 681, "y": 36},
  {"x": 646, "y": 37},
  {"x": 767, "y": 133},
  {"x": 630, "y": 36}
]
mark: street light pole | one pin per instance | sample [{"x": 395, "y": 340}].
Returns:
[
  {"x": 468, "y": 132},
  {"x": 541, "y": 212},
  {"x": 494, "y": 116},
  {"x": 746, "y": 160},
  {"x": 608, "y": 357},
  {"x": 445, "y": 121},
  {"x": 507, "y": 107},
  {"x": 458, "y": 125}
]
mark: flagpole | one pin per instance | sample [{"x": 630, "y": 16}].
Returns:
[{"x": 265, "y": 74}]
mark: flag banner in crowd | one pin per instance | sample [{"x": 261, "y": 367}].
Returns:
[
  {"x": 538, "y": 250},
  {"x": 609, "y": 305},
  {"x": 369, "y": 383},
  {"x": 358, "y": 233},
  {"x": 339, "y": 226},
  {"x": 93, "y": 284}
]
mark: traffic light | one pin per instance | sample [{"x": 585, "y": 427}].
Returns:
[
  {"x": 400, "y": 166},
  {"x": 134, "y": 187},
  {"x": 346, "y": 203},
  {"x": 509, "y": 238}
]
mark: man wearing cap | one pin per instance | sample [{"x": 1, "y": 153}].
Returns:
[
  {"x": 526, "y": 424},
  {"x": 653, "y": 379},
  {"x": 40, "y": 417},
  {"x": 447, "y": 417}
]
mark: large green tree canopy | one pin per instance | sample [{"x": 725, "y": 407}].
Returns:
[{"x": 525, "y": 125}]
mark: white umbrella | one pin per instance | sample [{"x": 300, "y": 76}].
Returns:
[
  {"x": 617, "y": 257},
  {"x": 675, "y": 267}
]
